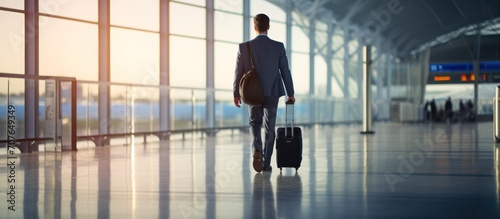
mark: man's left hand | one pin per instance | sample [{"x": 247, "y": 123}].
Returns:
[{"x": 237, "y": 102}]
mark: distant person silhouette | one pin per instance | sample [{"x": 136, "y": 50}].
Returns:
[
  {"x": 448, "y": 109},
  {"x": 427, "y": 111},
  {"x": 433, "y": 110},
  {"x": 461, "y": 108}
]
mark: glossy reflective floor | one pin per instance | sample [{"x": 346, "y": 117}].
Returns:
[{"x": 402, "y": 171}]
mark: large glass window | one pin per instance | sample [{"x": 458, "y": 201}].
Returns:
[
  {"x": 277, "y": 31},
  {"x": 68, "y": 48},
  {"x": 79, "y": 9},
  {"x": 225, "y": 64},
  {"x": 300, "y": 41},
  {"x": 188, "y": 62},
  {"x": 15, "y": 4},
  {"x": 134, "y": 56},
  {"x": 300, "y": 73},
  {"x": 353, "y": 50},
  {"x": 353, "y": 79},
  {"x": 228, "y": 27},
  {"x": 338, "y": 46},
  {"x": 187, "y": 20},
  {"x": 12, "y": 43},
  {"x": 235, "y": 6},
  {"x": 131, "y": 13},
  {"x": 321, "y": 40},
  {"x": 337, "y": 77},
  {"x": 320, "y": 75},
  {"x": 191, "y": 2},
  {"x": 274, "y": 12}
]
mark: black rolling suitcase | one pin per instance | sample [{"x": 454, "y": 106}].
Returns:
[{"x": 289, "y": 142}]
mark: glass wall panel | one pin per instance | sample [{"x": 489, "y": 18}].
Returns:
[
  {"x": 299, "y": 20},
  {"x": 12, "y": 43},
  {"x": 275, "y": 13},
  {"x": 321, "y": 39},
  {"x": 68, "y": 48},
  {"x": 321, "y": 26},
  {"x": 277, "y": 31},
  {"x": 131, "y": 13},
  {"x": 225, "y": 64},
  {"x": 353, "y": 49},
  {"x": 191, "y": 2},
  {"x": 188, "y": 62},
  {"x": 338, "y": 46},
  {"x": 134, "y": 56},
  {"x": 187, "y": 20},
  {"x": 79, "y": 9},
  {"x": 337, "y": 78},
  {"x": 16, "y": 4},
  {"x": 235, "y": 6},
  {"x": 228, "y": 27},
  {"x": 300, "y": 72},
  {"x": 320, "y": 75},
  {"x": 300, "y": 40}
]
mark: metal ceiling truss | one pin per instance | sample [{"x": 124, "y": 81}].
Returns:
[{"x": 467, "y": 30}]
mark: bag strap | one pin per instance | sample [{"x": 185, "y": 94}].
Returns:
[{"x": 250, "y": 53}]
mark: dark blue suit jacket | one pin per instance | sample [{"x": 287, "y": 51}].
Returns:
[{"x": 271, "y": 63}]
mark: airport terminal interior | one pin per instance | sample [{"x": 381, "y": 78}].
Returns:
[{"x": 121, "y": 109}]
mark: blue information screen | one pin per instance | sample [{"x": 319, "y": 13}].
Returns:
[
  {"x": 489, "y": 66},
  {"x": 451, "y": 67}
]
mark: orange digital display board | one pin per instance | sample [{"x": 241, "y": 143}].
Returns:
[
  {"x": 442, "y": 78},
  {"x": 457, "y": 78}
]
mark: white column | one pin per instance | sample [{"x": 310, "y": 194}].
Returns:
[
  {"x": 389, "y": 65},
  {"x": 31, "y": 68},
  {"x": 367, "y": 71},
  {"x": 476, "y": 69},
  {"x": 164, "y": 66},
  {"x": 360, "y": 73},
  {"x": 104, "y": 67},
  {"x": 246, "y": 37},
  {"x": 210, "y": 86}
]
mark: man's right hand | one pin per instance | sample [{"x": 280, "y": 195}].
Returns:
[{"x": 291, "y": 99}]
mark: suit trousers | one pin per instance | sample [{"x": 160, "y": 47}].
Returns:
[{"x": 259, "y": 115}]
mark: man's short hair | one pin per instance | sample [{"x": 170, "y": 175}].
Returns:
[{"x": 261, "y": 21}]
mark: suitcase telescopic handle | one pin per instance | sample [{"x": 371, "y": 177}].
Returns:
[{"x": 291, "y": 105}]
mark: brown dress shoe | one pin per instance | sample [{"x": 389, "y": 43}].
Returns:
[{"x": 257, "y": 161}]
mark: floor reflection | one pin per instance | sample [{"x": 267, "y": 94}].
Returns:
[
  {"x": 289, "y": 196},
  {"x": 496, "y": 157},
  {"x": 263, "y": 204},
  {"x": 31, "y": 166},
  {"x": 164, "y": 179},
  {"x": 343, "y": 175},
  {"x": 104, "y": 182}
]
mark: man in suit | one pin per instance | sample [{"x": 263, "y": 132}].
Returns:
[{"x": 271, "y": 64}]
